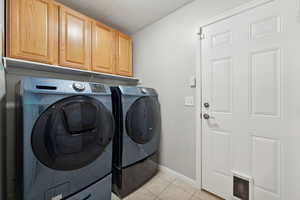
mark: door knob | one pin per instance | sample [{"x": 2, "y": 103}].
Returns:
[
  {"x": 206, "y": 116},
  {"x": 206, "y": 105}
]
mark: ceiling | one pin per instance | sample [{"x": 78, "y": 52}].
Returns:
[{"x": 128, "y": 16}]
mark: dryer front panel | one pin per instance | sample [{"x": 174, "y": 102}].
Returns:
[{"x": 142, "y": 128}]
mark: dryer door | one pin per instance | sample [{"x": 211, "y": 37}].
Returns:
[
  {"x": 72, "y": 133},
  {"x": 143, "y": 120}
]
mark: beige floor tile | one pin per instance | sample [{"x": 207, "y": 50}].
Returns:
[
  {"x": 114, "y": 197},
  {"x": 156, "y": 185},
  {"x": 185, "y": 186},
  {"x": 166, "y": 176},
  {"x": 174, "y": 192},
  {"x": 203, "y": 195},
  {"x": 196, "y": 198},
  {"x": 166, "y": 187},
  {"x": 141, "y": 194}
]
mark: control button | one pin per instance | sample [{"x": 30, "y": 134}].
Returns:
[
  {"x": 78, "y": 87},
  {"x": 144, "y": 90},
  {"x": 97, "y": 88}
]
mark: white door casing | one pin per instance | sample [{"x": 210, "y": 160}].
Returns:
[{"x": 248, "y": 62}]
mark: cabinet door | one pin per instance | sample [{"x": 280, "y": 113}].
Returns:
[
  {"x": 32, "y": 30},
  {"x": 103, "y": 48},
  {"x": 75, "y": 39},
  {"x": 124, "y": 55}
]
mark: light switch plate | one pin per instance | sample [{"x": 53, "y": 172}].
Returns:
[{"x": 189, "y": 101}]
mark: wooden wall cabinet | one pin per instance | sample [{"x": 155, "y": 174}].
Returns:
[
  {"x": 75, "y": 39},
  {"x": 124, "y": 55},
  {"x": 103, "y": 48},
  {"x": 32, "y": 30},
  {"x": 48, "y": 32}
]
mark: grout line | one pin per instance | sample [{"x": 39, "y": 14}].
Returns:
[
  {"x": 168, "y": 185},
  {"x": 194, "y": 195},
  {"x": 158, "y": 195}
]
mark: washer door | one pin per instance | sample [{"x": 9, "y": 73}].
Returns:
[
  {"x": 143, "y": 120},
  {"x": 72, "y": 133}
]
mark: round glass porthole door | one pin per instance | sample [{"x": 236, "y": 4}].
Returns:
[
  {"x": 72, "y": 133},
  {"x": 143, "y": 120}
]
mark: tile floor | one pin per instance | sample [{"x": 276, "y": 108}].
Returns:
[{"x": 166, "y": 187}]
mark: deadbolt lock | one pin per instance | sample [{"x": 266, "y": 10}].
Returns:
[{"x": 206, "y": 105}]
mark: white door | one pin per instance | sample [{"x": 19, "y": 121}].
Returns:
[{"x": 248, "y": 87}]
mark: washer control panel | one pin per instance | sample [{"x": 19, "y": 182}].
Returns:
[
  {"x": 98, "y": 88},
  {"x": 79, "y": 87}
]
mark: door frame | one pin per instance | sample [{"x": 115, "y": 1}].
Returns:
[{"x": 198, "y": 95}]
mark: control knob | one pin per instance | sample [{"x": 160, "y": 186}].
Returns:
[{"x": 78, "y": 87}]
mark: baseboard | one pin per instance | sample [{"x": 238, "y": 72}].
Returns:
[{"x": 179, "y": 176}]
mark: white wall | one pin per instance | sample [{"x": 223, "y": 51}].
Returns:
[{"x": 165, "y": 58}]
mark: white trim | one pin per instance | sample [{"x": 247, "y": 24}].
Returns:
[
  {"x": 24, "y": 64},
  {"x": 198, "y": 132},
  {"x": 177, "y": 175},
  {"x": 235, "y": 11},
  {"x": 198, "y": 100}
]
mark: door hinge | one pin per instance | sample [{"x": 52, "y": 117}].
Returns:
[{"x": 201, "y": 34}]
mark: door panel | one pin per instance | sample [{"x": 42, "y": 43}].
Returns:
[
  {"x": 245, "y": 82},
  {"x": 262, "y": 63},
  {"x": 33, "y": 43},
  {"x": 266, "y": 163},
  {"x": 32, "y": 30},
  {"x": 221, "y": 85},
  {"x": 220, "y": 148},
  {"x": 124, "y": 56},
  {"x": 75, "y": 39},
  {"x": 103, "y": 48}
]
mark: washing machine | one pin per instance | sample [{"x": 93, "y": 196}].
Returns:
[
  {"x": 137, "y": 137},
  {"x": 64, "y": 140}
]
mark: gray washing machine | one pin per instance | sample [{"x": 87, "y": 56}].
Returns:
[
  {"x": 64, "y": 139},
  {"x": 137, "y": 137}
]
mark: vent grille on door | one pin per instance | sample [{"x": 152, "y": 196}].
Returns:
[{"x": 240, "y": 188}]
